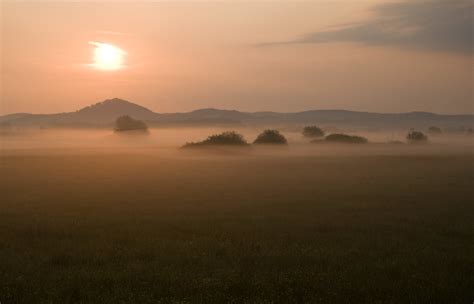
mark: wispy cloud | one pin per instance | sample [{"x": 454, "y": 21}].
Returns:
[{"x": 442, "y": 25}]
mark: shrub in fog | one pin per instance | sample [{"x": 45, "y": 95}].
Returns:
[
  {"x": 434, "y": 130},
  {"x": 127, "y": 123},
  {"x": 312, "y": 132},
  {"x": 344, "y": 138},
  {"x": 271, "y": 137},
  {"x": 229, "y": 138},
  {"x": 416, "y": 137}
]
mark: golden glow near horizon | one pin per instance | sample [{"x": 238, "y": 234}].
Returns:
[
  {"x": 107, "y": 57},
  {"x": 200, "y": 54}
]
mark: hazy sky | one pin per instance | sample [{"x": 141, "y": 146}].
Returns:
[{"x": 368, "y": 55}]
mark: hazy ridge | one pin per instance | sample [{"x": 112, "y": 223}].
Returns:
[{"x": 103, "y": 114}]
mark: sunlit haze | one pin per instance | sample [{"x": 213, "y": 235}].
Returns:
[
  {"x": 236, "y": 151},
  {"x": 243, "y": 55},
  {"x": 107, "y": 57}
]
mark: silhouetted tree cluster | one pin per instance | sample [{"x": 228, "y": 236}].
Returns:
[
  {"x": 344, "y": 138},
  {"x": 232, "y": 138},
  {"x": 434, "y": 130},
  {"x": 313, "y": 132},
  {"x": 416, "y": 137},
  {"x": 229, "y": 138},
  {"x": 271, "y": 137},
  {"x": 127, "y": 123}
]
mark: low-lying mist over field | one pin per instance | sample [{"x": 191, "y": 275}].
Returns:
[
  {"x": 168, "y": 141},
  {"x": 254, "y": 152},
  {"x": 212, "y": 215},
  {"x": 101, "y": 216}
]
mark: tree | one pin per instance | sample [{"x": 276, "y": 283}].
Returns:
[
  {"x": 416, "y": 137},
  {"x": 312, "y": 132},
  {"x": 127, "y": 123},
  {"x": 434, "y": 130},
  {"x": 271, "y": 137},
  {"x": 344, "y": 138},
  {"x": 229, "y": 138}
]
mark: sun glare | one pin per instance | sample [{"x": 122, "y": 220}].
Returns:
[{"x": 107, "y": 57}]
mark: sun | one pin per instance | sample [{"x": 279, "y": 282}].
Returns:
[{"x": 107, "y": 57}]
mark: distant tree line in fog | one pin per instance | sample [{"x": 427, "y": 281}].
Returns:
[
  {"x": 127, "y": 123},
  {"x": 274, "y": 137}
]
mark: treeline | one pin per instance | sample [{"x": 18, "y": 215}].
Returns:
[{"x": 273, "y": 137}]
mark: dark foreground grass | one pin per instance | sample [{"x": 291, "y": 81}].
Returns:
[{"x": 150, "y": 229}]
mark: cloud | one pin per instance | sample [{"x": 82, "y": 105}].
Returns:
[{"x": 440, "y": 25}]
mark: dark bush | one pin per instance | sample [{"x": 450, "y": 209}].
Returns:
[
  {"x": 416, "y": 137},
  {"x": 312, "y": 132},
  {"x": 126, "y": 123},
  {"x": 271, "y": 137},
  {"x": 434, "y": 130},
  {"x": 229, "y": 138},
  {"x": 344, "y": 138}
]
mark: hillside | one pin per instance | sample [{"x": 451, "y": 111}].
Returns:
[{"x": 104, "y": 114}]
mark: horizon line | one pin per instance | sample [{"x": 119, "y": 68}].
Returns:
[{"x": 240, "y": 111}]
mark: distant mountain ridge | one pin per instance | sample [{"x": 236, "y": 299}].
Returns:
[{"x": 106, "y": 112}]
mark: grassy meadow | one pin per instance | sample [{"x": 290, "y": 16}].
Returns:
[{"x": 373, "y": 224}]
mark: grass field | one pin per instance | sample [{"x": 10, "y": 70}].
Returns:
[{"x": 131, "y": 227}]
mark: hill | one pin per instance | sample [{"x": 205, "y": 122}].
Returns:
[{"x": 104, "y": 114}]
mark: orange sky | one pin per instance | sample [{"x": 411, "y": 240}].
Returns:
[{"x": 187, "y": 55}]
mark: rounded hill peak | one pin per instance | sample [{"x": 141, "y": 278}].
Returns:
[{"x": 110, "y": 109}]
